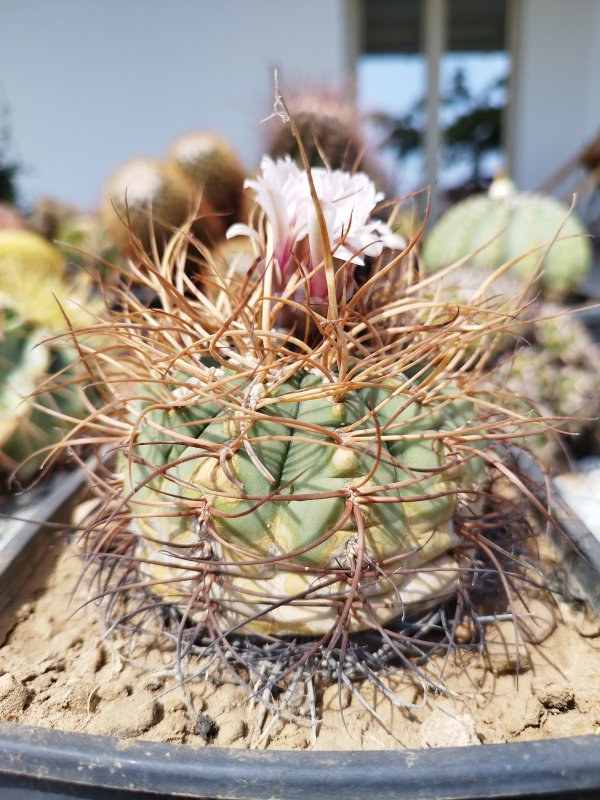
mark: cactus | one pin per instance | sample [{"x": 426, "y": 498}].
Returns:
[
  {"x": 557, "y": 372},
  {"x": 214, "y": 169},
  {"x": 36, "y": 298},
  {"x": 488, "y": 230},
  {"x": 333, "y": 133},
  {"x": 32, "y": 419},
  {"x": 34, "y": 282},
  {"x": 275, "y": 490},
  {"x": 304, "y": 450},
  {"x": 22, "y": 366},
  {"x": 145, "y": 200}
]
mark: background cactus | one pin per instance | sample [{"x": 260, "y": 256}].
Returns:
[
  {"x": 147, "y": 199},
  {"x": 31, "y": 419},
  {"x": 557, "y": 371},
  {"x": 506, "y": 224},
  {"x": 23, "y": 366},
  {"x": 36, "y": 300},
  {"x": 212, "y": 166},
  {"x": 333, "y": 133},
  {"x": 82, "y": 238}
]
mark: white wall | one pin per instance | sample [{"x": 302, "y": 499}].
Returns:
[
  {"x": 556, "y": 107},
  {"x": 92, "y": 83}
]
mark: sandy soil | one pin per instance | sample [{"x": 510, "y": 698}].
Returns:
[{"x": 57, "y": 670}]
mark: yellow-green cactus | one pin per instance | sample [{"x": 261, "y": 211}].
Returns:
[
  {"x": 556, "y": 369},
  {"x": 35, "y": 285},
  {"x": 38, "y": 301}
]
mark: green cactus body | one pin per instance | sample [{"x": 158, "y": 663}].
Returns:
[
  {"x": 24, "y": 363},
  {"x": 506, "y": 226},
  {"x": 281, "y": 530}
]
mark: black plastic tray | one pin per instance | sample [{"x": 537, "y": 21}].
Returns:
[
  {"x": 22, "y": 552},
  {"x": 43, "y": 764},
  {"x": 38, "y": 764}
]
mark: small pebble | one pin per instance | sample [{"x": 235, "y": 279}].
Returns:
[
  {"x": 154, "y": 683},
  {"x": 13, "y": 697},
  {"x": 136, "y": 715},
  {"x": 464, "y": 632},
  {"x": 42, "y": 682},
  {"x": 556, "y": 697},
  {"x": 446, "y": 727},
  {"x": 206, "y": 727},
  {"x": 232, "y": 730},
  {"x": 25, "y": 611}
]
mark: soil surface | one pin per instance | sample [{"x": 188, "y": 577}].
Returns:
[{"x": 58, "y": 670}]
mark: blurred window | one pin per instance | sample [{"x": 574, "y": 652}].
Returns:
[{"x": 465, "y": 42}]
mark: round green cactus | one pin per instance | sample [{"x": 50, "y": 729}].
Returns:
[
  {"x": 274, "y": 487},
  {"x": 274, "y": 514},
  {"x": 504, "y": 225}
]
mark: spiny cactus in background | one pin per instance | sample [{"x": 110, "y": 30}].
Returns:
[
  {"x": 554, "y": 366},
  {"x": 146, "y": 200},
  {"x": 214, "y": 169},
  {"x": 32, "y": 420},
  {"x": 47, "y": 215},
  {"x": 557, "y": 372},
  {"x": 289, "y": 461},
  {"x": 35, "y": 300},
  {"x": 199, "y": 184},
  {"x": 34, "y": 282},
  {"x": 81, "y": 238},
  {"x": 333, "y": 133},
  {"x": 506, "y": 225}
]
